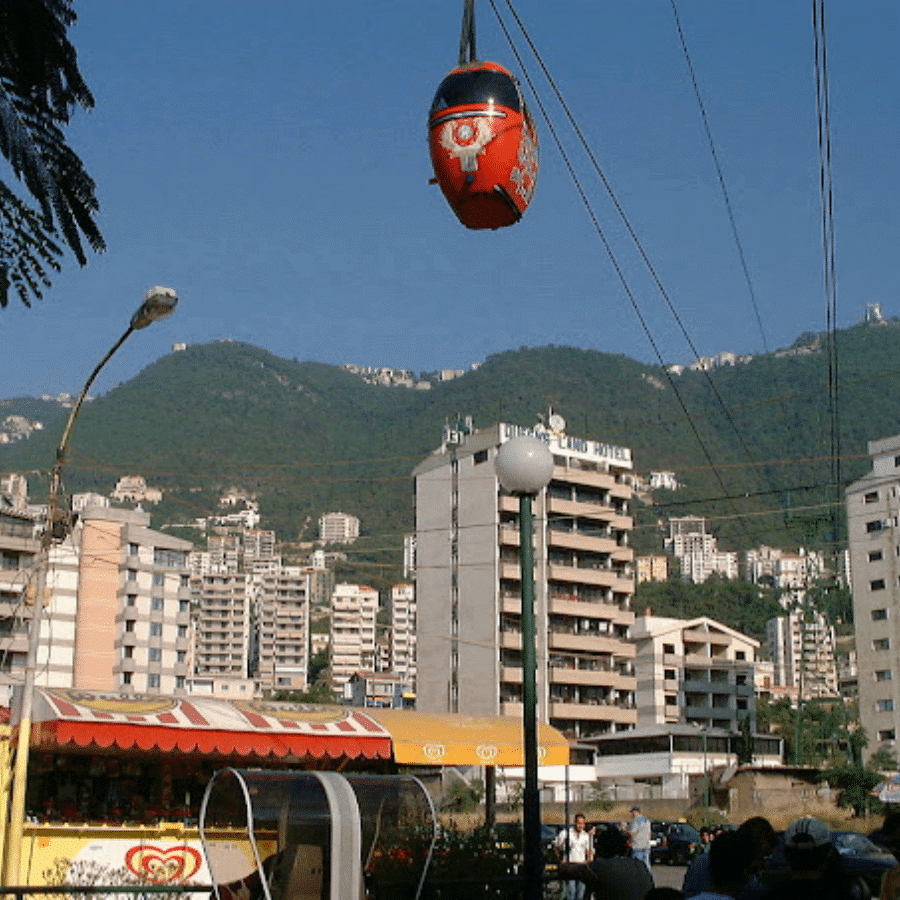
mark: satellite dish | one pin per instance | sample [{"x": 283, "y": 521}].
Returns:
[{"x": 557, "y": 422}]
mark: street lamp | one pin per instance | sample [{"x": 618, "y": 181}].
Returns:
[
  {"x": 159, "y": 302},
  {"x": 524, "y": 466}
]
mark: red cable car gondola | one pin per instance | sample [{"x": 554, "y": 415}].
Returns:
[{"x": 483, "y": 142}]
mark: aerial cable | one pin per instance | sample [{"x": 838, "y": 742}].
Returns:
[
  {"x": 715, "y": 157},
  {"x": 620, "y": 274},
  {"x": 827, "y": 203}
]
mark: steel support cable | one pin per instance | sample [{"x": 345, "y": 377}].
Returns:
[
  {"x": 620, "y": 274},
  {"x": 827, "y": 203},
  {"x": 721, "y": 176},
  {"x": 620, "y": 210}
]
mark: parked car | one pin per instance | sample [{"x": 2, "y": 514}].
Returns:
[
  {"x": 863, "y": 862},
  {"x": 674, "y": 843}
]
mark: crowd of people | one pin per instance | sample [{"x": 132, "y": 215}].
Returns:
[{"x": 612, "y": 863}]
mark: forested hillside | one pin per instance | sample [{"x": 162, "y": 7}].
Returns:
[{"x": 750, "y": 444}]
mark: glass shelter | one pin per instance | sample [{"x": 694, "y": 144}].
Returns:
[{"x": 271, "y": 835}]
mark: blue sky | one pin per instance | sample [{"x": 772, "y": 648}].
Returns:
[{"x": 268, "y": 160}]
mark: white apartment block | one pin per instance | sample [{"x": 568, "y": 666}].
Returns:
[
  {"x": 697, "y": 551},
  {"x": 282, "y": 623},
  {"x": 403, "y": 632},
  {"x": 801, "y": 646},
  {"x": 693, "y": 671},
  {"x": 338, "y": 528},
  {"x": 223, "y": 625},
  {"x": 787, "y": 571},
  {"x": 354, "y": 611},
  {"x": 873, "y": 513},
  {"x": 468, "y": 583},
  {"x": 134, "y": 489}
]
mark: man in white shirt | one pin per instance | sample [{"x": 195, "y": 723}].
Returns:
[{"x": 575, "y": 845}]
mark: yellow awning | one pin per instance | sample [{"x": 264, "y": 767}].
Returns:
[{"x": 454, "y": 739}]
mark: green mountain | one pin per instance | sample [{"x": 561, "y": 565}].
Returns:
[{"x": 750, "y": 444}]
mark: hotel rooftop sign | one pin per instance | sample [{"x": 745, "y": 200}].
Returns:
[{"x": 580, "y": 448}]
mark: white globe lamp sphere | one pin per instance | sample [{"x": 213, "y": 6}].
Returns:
[{"x": 524, "y": 465}]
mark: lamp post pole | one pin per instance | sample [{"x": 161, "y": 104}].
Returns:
[
  {"x": 524, "y": 466},
  {"x": 159, "y": 302}
]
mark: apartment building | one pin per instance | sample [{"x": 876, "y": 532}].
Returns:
[
  {"x": 223, "y": 625},
  {"x": 651, "y": 568},
  {"x": 873, "y": 530},
  {"x": 19, "y": 546},
  {"x": 802, "y": 649},
  {"x": 468, "y": 588},
  {"x": 403, "y": 633},
  {"x": 693, "y": 671},
  {"x": 119, "y": 611},
  {"x": 697, "y": 551},
  {"x": 354, "y": 611},
  {"x": 282, "y": 626},
  {"x": 338, "y": 528}
]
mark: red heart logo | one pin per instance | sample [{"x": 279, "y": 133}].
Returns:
[{"x": 158, "y": 866}]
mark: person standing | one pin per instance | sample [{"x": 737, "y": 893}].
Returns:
[
  {"x": 575, "y": 845},
  {"x": 639, "y": 834}
]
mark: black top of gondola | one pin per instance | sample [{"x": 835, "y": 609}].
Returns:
[{"x": 477, "y": 85}]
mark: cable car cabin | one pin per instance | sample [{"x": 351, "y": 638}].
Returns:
[{"x": 484, "y": 146}]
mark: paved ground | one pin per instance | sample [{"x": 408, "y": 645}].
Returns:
[{"x": 668, "y": 876}]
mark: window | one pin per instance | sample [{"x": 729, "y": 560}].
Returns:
[
  {"x": 870, "y": 497},
  {"x": 155, "y": 629},
  {"x": 185, "y": 581},
  {"x": 179, "y": 681},
  {"x": 132, "y": 575},
  {"x": 129, "y": 652},
  {"x": 874, "y": 525},
  {"x": 133, "y": 549},
  {"x": 155, "y": 654},
  {"x": 876, "y": 585},
  {"x": 668, "y": 648},
  {"x": 126, "y": 678},
  {"x": 740, "y": 654},
  {"x": 129, "y": 624},
  {"x": 181, "y": 656},
  {"x": 886, "y": 735},
  {"x": 182, "y": 631},
  {"x": 669, "y": 674},
  {"x": 159, "y": 579},
  {"x": 875, "y": 555},
  {"x": 184, "y": 606},
  {"x": 879, "y": 615},
  {"x": 480, "y": 457},
  {"x": 881, "y": 644},
  {"x": 153, "y": 681},
  {"x": 131, "y": 600},
  {"x": 883, "y": 675},
  {"x": 156, "y": 603},
  {"x": 171, "y": 559},
  {"x": 884, "y": 705}
]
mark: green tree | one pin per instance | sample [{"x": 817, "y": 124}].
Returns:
[{"x": 40, "y": 87}]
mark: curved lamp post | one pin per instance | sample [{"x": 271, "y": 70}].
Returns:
[
  {"x": 159, "y": 302},
  {"x": 524, "y": 466}
]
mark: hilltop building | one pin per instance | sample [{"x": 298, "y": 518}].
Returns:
[
  {"x": 873, "y": 514},
  {"x": 134, "y": 489},
  {"x": 697, "y": 551},
  {"x": 338, "y": 528},
  {"x": 468, "y": 582}
]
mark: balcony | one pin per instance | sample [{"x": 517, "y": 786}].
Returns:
[
  {"x": 594, "y": 643},
  {"x": 592, "y": 678},
  {"x": 598, "y": 712},
  {"x": 579, "y": 540},
  {"x": 611, "y": 612}
]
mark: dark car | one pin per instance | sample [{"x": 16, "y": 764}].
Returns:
[
  {"x": 674, "y": 843},
  {"x": 863, "y": 862}
]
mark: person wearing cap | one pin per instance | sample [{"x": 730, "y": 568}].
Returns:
[
  {"x": 638, "y": 830},
  {"x": 815, "y": 864}
]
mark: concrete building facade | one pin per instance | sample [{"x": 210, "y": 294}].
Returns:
[
  {"x": 468, "y": 586},
  {"x": 873, "y": 530},
  {"x": 354, "y": 611},
  {"x": 694, "y": 672}
]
